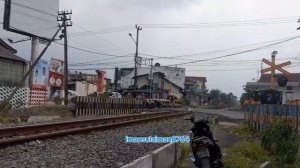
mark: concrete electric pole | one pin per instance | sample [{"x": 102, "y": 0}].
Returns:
[
  {"x": 65, "y": 18},
  {"x": 138, "y": 28}
]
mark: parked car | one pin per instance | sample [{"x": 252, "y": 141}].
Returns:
[
  {"x": 71, "y": 94},
  {"x": 113, "y": 94}
]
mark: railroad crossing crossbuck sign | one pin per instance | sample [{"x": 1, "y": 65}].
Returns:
[{"x": 274, "y": 67}]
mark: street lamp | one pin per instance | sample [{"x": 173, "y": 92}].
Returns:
[
  {"x": 132, "y": 38},
  {"x": 12, "y": 41}
]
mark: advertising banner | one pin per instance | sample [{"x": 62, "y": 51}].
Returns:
[
  {"x": 57, "y": 66},
  {"x": 40, "y": 75},
  {"x": 56, "y": 73}
]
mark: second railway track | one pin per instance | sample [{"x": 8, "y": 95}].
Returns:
[{"x": 19, "y": 134}]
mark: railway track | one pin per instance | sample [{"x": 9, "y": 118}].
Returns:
[{"x": 20, "y": 134}]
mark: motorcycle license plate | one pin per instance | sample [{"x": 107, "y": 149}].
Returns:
[{"x": 203, "y": 153}]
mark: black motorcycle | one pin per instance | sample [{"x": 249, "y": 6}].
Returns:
[{"x": 205, "y": 149}]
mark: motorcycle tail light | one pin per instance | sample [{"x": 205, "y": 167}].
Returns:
[{"x": 201, "y": 146}]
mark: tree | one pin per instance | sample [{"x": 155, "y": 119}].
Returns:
[
  {"x": 220, "y": 98},
  {"x": 215, "y": 95}
]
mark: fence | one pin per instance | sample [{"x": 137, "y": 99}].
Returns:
[
  {"x": 37, "y": 97},
  {"x": 258, "y": 116},
  {"x": 88, "y": 105},
  {"x": 25, "y": 97}
]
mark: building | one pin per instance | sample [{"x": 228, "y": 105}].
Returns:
[
  {"x": 290, "y": 92},
  {"x": 83, "y": 88},
  {"x": 78, "y": 76},
  {"x": 125, "y": 76},
  {"x": 161, "y": 86},
  {"x": 85, "y": 84},
  {"x": 195, "y": 88},
  {"x": 12, "y": 67}
]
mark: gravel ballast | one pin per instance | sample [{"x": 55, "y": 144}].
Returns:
[{"x": 96, "y": 149}]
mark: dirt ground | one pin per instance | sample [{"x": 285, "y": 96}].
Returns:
[{"x": 21, "y": 115}]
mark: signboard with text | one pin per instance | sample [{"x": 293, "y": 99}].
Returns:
[{"x": 56, "y": 73}]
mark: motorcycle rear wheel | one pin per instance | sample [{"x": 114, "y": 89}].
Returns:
[{"x": 203, "y": 163}]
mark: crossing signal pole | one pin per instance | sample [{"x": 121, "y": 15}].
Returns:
[
  {"x": 64, "y": 17},
  {"x": 273, "y": 67}
]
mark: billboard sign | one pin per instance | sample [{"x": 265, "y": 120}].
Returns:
[
  {"x": 56, "y": 73},
  {"x": 57, "y": 66},
  {"x": 55, "y": 80},
  {"x": 40, "y": 75},
  {"x": 31, "y": 17}
]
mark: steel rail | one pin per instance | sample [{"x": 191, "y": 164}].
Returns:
[{"x": 19, "y": 134}]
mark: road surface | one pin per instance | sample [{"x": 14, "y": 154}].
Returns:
[{"x": 238, "y": 115}]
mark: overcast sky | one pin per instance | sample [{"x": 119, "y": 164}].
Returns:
[{"x": 183, "y": 27}]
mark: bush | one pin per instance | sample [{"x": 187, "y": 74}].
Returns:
[
  {"x": 243, "y": 131},
  {"x": 280, "y": 141}
]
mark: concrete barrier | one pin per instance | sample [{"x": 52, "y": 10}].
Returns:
[
  {"x": 142, "y": 162},
  {"x": 167, "y": 155},
  {"x": 164, "y": 157}
]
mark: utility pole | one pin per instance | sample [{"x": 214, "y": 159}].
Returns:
[
  {"x": 273, "y": 70},
  {"x": 151, "y": 77},
  {"x": 138, "y": 28},
  {"x": 116, "y": 79},
  {"x": 65, "y": 18}
]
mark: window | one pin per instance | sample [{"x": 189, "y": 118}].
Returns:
[{"x": 177, "y": 74}]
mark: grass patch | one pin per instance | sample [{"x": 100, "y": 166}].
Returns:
[
  {"x": 185, "y": 152},
  {"x": 7, "y": 120},
  {"x": 245, "y": 155},
  {"x": 243, "y": 131}
]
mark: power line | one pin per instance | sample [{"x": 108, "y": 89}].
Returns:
[
  {"x": 89, "y": 69},
  {"x": 238, "y": 69},
  {"x": 213, "y": 52},
  {"x": 223, "y": 70},
  {"x": 223, "y": 24},
  {"x": 102, "y": 31},
  {"x": 80, "y": 63},
  {"x": 237, "y": 53},
  {"x": 99, "y": 63},
  {"x": 93, "y": 52},
  {"x": 100, "y": 37}
]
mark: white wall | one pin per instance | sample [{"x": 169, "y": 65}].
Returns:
[{"x": 85, "y": 88}]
